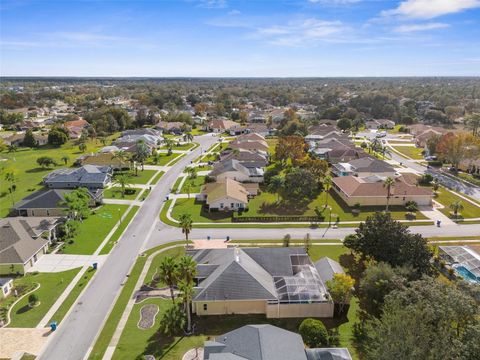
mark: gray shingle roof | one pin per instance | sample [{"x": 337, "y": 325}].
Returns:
[
  {"x": 370, "y": 164},
  {"x": 20, "y": 238},
  {"x": 43, "y": 199},
  {"x": 327, "y": 267},
  {"x": 86, "y": 174},
  {"x": 228, "y": 165},
  {"x": 256, "y": 342}
]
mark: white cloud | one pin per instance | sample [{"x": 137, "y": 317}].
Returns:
[
  {"x": 420, "y": 27},
  {"x": 428, "y": 9},
  {"x": 335, "y": 2},
  {"x": 213, "y": 4},
  {"x": 302, "y": 32}
]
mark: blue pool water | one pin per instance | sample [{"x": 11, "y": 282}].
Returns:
[{"x": 467, "y": 275}]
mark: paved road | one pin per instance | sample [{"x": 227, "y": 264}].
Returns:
[{"x": 77, "y": 331}]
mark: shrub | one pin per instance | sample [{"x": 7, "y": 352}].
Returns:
[
  {"x": 32, "y": 300},
  {"x": 313, "y": 332},
  {"x": 425, "y": 179}
]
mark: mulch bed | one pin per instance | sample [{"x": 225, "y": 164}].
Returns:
[{"x": 147, "y": 316}]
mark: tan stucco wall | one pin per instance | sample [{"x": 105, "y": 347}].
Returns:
[
  {"x": 322, "y": 310},
  {"x": 226, "y": 203},
  {"x": 230, "y": 307},
  {"x": 43, "y": 212}
]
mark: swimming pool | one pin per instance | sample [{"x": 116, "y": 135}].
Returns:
[{"x": 466, "y": 274}]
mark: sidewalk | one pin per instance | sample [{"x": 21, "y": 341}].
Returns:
[
  {"x": 435, "y": 215},
  {"x": 122, "y": 202}
]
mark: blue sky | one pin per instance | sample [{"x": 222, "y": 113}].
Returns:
[{"x": 240, "y": 38}]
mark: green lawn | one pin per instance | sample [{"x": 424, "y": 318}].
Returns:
[
  {"x": 116, "y": 235},
  {"x": 177, "y": 184},
  {"x": 116, "y": 193},
  {"x": 446, "y": 198},
  {"x": 197, "y": 131},
  {"x": 29, "y": 175},
  {"x": 142, "y": 177},
  {"x": 134, "y": 343},
  {"x": 94, "y": 229},
  {"x": 195, "y": 185},
  {"x": 410, "y": 151},
  {"x": 185, "y": 146},
  {"x": 266, "y": 204},
  {"x": 157, "y": 177},
  {"x": 72, "y": 297},
  {"x": 51, "y": 287},
  {"x": 163, "y": 159}
]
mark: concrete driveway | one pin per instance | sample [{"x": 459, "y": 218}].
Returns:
[{"x": 63, "y": 262}]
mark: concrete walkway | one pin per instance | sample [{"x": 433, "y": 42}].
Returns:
[
  {"x": 52, "y": 263},
  {"x": 122, "y": 202},
  {"x": 435, "y": 215}
]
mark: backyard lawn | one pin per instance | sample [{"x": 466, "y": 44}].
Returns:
[
  {"x": 116, "y": 193},
  {"x": 29, "y": 175},
  {"x": 94, "y": 229},
  {"x": 195, "y": 185},
  {"x": 446, "y": 198},
  {"x": 51, "y": 287},
  {"x": 266, "y": 204},
  {"x": 410, "y": 151},
  {"x": 135, "y": 342}
]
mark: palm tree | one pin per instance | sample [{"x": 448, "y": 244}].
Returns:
[
  {"x": 142, "y": 152},
  {"x": 187, "y": 293},
  {"x": 11, "y": 178},
  {"x": 65, "y": 159},
  {"x": 168, "y": 273},
  {"x": 82, "y": 147},
  {"x": 169, "y": 144},
  {"x": 124, "y": 181},
  {"x": 389, "y": 183},
  {"x": 188, "y": 137},
  {"x": 172, "y": 321},
  {"x": 122, "y": 157},
  {"x": 385, "y": 151},
  {"x": 456, "y": 207},
  {"x": 12, "y": 148},
  {"x": 327, "y": 185},
  {"x": 188, "y": 188},
  {"x": 186, "y": 225},
  {"x": 187, "y": 269},
  {"x": 276, "y": 185}
]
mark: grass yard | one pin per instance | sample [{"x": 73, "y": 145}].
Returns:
[
  {"x": 142, "y": 177},
  {"x": 163, "y": 159},
  {"x": 94, "y": 229},
  {"x": 29, "y": 175},
  {"x": 51, "y": 287},
  {"x": 195, "y": 185},
  {"x": 135, "y": 343},
  {"x": 157, "y": 177},
  {"x": 446, "y": 197},
  {"x": 72, "y": 297},
  {"x": 197, "y": 132},
  {"x": 116, "y": 193},
  {"x": 116, "y": 235},
  {"x": 410, "y": 151},
  {"x": 184, "y": 146},
  {"x": 266, "y": 204}
]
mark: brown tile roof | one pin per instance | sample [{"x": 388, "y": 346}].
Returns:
[
  {"x": 81, "y": 123},
  {"x": 227, "y": 188},
  {"x": 354, "y": 186},
  {"x": 222, "y": 124}
]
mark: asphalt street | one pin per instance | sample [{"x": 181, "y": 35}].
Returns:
[{"x": 78, "y": 330}]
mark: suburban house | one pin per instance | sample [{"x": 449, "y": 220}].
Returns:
[
  {"x": 88, "y": 176},
  {"x": 14, "y": 139},
  {"x": 266, "y": 342},
  {"x": 50, "y": 202},
  {"x": 277, "y": 115},
  {"x": 327, "y": 267},
  {"x": 227, "y": 195},
  {"x": 336, "y": 150},
  {"x": 370, "y": 191},
  {"x": 172, "y": 127},
  {"x": 23, "y": 240},
  {"x": 127, "y": 141},
  {"x": 144, "y": 131},
  {"x": 102, "y": 159},
  {"x": 362, "y": 167},
  {"x": 324, "y": 131},
  {"x": 464, "y": 258},
  {"x": 221, "y": 125},
  {"x": 75, "y": 127},
  {"x": 261, "y": 129},
  {"x": 233, "y": 169},
  {"x": 379, "y": 124},
  {"x": 422, "y": 138},
  {"x": 248, "y": 158},
  {"x": 277, "y": 282},
  {"x": 249, "y": 144},
  {"x": 6, "y": 286},
  {"x": 256, "y": 116}
]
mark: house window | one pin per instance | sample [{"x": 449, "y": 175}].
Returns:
[
  {"x": 205, "y": 307},
  {"x": 231, "y": 205},
  {"x": 221, "y": 205}
]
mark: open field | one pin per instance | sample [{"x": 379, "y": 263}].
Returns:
[
  {"x": 51, "y": 287},
  {"x": 94, "y": 229}
]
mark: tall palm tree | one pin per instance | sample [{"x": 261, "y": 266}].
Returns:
[
  {"x": 11, "y": 178},
  {"x": 65, "y": 159},
  {"x": 124, "y": 181},
  {"x": 12, "y": 148},
  {"x": 327, "y": 185},
  {"x": 168, "y": 273},
  {"x": 385, "y": 151},
  {"x": 187, "y": 292},
  {"x": 142, "y": 152},
  {"x": 188, "y": 137},
  {"x": 188, "y": 189},
  {"x": 122, "y": 157},
  {"x": 169, "y": 145},
  {"x": 389, "y": 183},
  {"x": 187, "y": 269},
  {"x": 186, "y": 225},
  {"x": 456, "y": 207}
]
